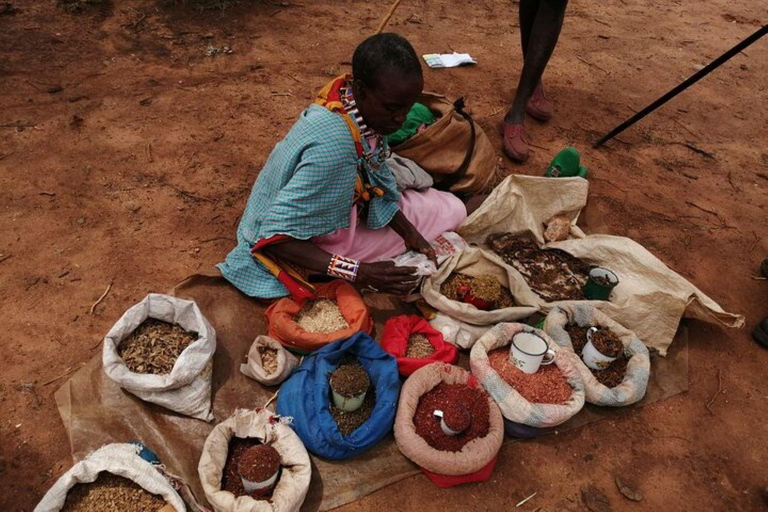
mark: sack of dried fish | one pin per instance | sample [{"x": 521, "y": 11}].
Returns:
[
  {"x": 115, "y": 475},
  {"x": 258, "y": 427},
  {"x": 268, "y": 362},
  {"x": 161, "y": 350},
  {"x": 336, "y": 312},
  {"x": 474, "y": 262}
]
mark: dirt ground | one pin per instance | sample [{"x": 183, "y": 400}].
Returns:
[{"x": 127, "y": 153}]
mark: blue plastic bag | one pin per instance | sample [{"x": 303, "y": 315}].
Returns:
[{"x": 306, "y": 396}]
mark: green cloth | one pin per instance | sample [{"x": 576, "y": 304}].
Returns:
[{"x": 418, "y": 115}]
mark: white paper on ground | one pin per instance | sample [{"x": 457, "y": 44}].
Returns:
[{"x": 448, "y": 60}]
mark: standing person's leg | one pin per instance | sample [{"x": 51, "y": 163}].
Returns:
[{"x": 539, "y": 39}]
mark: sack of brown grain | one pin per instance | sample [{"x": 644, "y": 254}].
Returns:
[
  {"x": 635, "y": 359},
  {"x": 161, "y": 350},
  {"x": 123, "y": 461},
  {"x": 263, "y": 426},
  {"x": 268, "y": 362}
]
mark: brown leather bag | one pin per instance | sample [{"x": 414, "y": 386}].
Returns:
[{"x": 454, "y": 149}]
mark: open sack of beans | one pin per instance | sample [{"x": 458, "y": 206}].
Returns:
[
  {"x": 114, "y": 477},
  {"x": 342, "y": 397},
  {"x": 336, "y": 312},
  {"x": 546, "y": 398},
  {"x": 415, "y": 343},
  {"x": 477, "y": 288},
  {"x": 161, "y": 350},
  {"x": 614, "y": 363},
  {"x": 448, "y": 425},
  {"x": 268, "y": 362},
  {"x": 254, "y": 462}
]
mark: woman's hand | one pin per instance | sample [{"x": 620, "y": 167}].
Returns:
[
  {"x": 411, "y": 236},
  {"x": 386, "y": 277}
]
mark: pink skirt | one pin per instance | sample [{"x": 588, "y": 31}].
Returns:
[{"x": 431, "y": 211}]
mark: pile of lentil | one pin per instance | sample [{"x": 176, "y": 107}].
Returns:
[
  {"x": 484, "y": 287},
  {"x": 546, "y": 386},
  {"x": 551, "y": 273},
  {"x": 268, "y": 359},
  {"x": 419, "y": 347},
  {"x": 442, "y": 397},
  {"x": 154, "y": 347},
  {"x": 111, "y": 493},
  {"x": 230, "y": 480},
  {"x": 609, "y": 377},
  {"x": 322, "y": 316}
]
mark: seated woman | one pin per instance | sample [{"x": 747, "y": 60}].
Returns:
[{"x": 325, "y": 201}]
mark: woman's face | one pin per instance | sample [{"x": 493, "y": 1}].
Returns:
[{"x": 385, "y": 105}]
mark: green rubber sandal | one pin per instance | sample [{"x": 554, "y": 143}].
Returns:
[{"x": 566, "y": 164}]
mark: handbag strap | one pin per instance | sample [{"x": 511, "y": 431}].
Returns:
[{"x": 454, "y": 177}]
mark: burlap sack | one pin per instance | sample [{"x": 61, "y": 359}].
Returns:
[
  {"x": 474, "y": 455},
  {"x": 120, "y": 459},
  {"x": 632, "y": 388},
  {"x": 513, "y": 406},
  {"x": 254, "y": 367},
  {"x": 651, "y": 298},
  {"x": 443, "y": 146},
  {"x": 474, "y": 262},
  {"x": 293, "y": 483},
  {"x": 187, "y": 389}
]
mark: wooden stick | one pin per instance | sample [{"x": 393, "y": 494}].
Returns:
[
  {"x": 66, "y": 372},
  {"x": 523, "y": 502},
  {"x": 719, "y": 390},
  {"x": 271, "y": 399},
  {"x": 387, "y": 17},
  {"x": 93, "y": 308}
]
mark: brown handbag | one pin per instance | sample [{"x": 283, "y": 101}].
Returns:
[{"x": 454, "y": 149}]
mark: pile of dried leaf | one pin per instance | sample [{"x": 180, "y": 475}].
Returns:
[
  {"x": 268, "y": 359},
  {"x": 111, "y": 493},
  {"x": 551, "y": 273},
  {"x": 485, "y": 287},
  {"x": 154, "y": 347}
]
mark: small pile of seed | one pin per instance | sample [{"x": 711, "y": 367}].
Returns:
[
  {"x": 614, "y": 374},
  {"x": 546, "y": 386},
  {"x": 321, "y": 315},
  {"x": 484, "y": 287},
  {"x": 111, "y": 493},
  {"x": 154, "y": 347},
  {"x": 444, "y": 397},
  {"x": 551, "y": 273},
  {"x": 350, "y": 379},
  {"x": 230, "y": 480},
  {"x": 419, "y": 347},
  {"x": 268, "y": 359},
  {"x": 258, "y": 463}
]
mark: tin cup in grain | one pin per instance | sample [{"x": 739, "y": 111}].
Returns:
[{"x": 528, "y": 351}]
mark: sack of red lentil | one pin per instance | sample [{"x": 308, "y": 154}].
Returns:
[
  {"x": 161, "y": 350},
  {"x": 476, "y": 263},
  {"x": 627, "y": 375},
  {"x": 114, "y": 466},
  {"x": 261, "y": 427},
  {"x": 448, "y": 459},
  {"x": 336, "y": 312},
  {"x": 306, "y": 397},
  {"x": 268, "y": 362},
  {"x": 514, "y": 406},
  {"x": 415, "y": 343}
]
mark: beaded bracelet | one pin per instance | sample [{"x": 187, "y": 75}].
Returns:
[{"x": 344, "y": 268}]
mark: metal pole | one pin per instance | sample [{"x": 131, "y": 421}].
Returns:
[{"x": 683, "y": 86}]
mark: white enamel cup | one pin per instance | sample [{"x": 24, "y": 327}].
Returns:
[
  {"x": 260, "y": 487},
  {"x": 593, "y": 357},
  {"x": 528, "y": 350}
]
